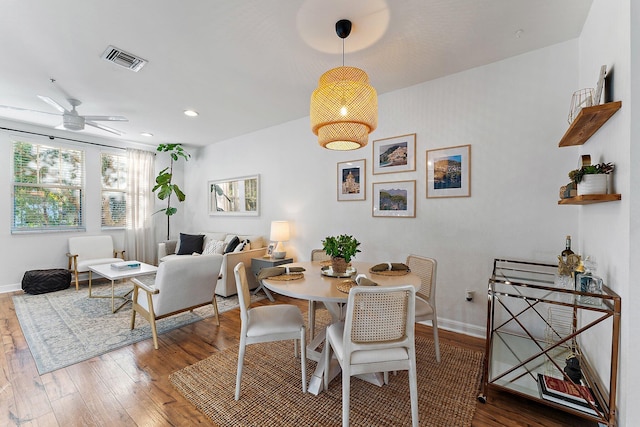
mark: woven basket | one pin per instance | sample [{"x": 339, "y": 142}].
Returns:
[{"x": 339, "y": 265}]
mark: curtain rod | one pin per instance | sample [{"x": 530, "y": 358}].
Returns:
[{"x": 61, "y": 137}]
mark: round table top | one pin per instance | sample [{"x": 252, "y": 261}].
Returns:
[{"x": 318, "y": 287}]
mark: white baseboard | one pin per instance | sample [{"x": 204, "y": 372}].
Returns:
[
  {"x": 12, "y": 287},
  {"x": 459, "y": 327}
]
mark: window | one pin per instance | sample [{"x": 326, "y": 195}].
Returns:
[
  {"x": 48, "y": 186},
  {"x": 114, "y": 187}
]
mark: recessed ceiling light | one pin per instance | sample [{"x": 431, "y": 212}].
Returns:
[
  {"x": 190, "y": 113},
  {"x": 149, "y": 134}
]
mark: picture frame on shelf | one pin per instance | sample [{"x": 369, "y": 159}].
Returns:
[
  {"x": 449, "y": 172},
  {"x": 597, "y": 96},
  {"x": 351, "y": 180},
  {"x": 396, "y": 154},
  {"x": 395, "y": 199}
]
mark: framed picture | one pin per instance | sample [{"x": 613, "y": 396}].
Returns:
[
  {"x": 397, "y": 154},
  {"x": 449, "y": 172},
  {"x": 270, "y": 250},
  {"x": 394, "y": 199},
  {"x": 352, "y": 180}
]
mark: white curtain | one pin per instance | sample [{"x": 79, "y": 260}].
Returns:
[{"x": 139, "y": 238}]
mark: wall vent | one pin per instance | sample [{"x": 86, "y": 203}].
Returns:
[{"x": 123, "y": 59}]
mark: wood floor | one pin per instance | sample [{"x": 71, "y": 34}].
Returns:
[{"x": 130, "y": 386}]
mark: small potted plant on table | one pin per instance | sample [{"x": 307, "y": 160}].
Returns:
[{"x": 341, "y": 249}]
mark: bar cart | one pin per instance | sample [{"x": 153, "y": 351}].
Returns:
[{"x": 533, "y": 328}]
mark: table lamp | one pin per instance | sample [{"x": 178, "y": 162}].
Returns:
[{"x": 279, "y": 233}]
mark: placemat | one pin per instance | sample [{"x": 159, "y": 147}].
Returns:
[
  {"x": 285, "y": 277},
  {"x": 346, "y": 285},
  {"x": 390, "y": 272}
]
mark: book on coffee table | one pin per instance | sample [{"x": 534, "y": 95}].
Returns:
[
  {"x": 125, "y": 265},
  {"x": 567, "y": 393}
]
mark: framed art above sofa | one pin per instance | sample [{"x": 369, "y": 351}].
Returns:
[{"x": 235, "y": 196}]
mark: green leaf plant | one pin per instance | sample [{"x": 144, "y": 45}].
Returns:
[
  {"x": 165, "y": 187},
  {"x": 601, "y": 168},
  {"x": 342, "y": 246}
]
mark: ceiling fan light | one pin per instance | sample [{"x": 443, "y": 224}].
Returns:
[
  {"x": 73, "y": 122},
  {"x": 344, "y": 109}
]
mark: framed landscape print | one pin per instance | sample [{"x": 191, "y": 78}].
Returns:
[
  {"x": 397, "y": 154},
  {"x": 449, "y": 172},
  {"x": 351, "y": 180},
  {"x": 394, "y": 199}
]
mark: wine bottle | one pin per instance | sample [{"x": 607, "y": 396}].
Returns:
[{"x": 567, "y": 250}]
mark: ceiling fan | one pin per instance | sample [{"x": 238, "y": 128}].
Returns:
[{"x": 71, "y": 120}]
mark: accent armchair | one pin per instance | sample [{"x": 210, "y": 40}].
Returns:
[
  {"x": 179, "y": 285},
  {"x": 90, "y": 250}
]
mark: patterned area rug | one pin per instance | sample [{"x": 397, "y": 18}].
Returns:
[
  {"x": 272, "y": 395},
  {"x": 67, "y": 327}
]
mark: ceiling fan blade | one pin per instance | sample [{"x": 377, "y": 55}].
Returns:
[
  {"x": 8, "y": 107},
  {"x": 53, "y": 103},
  {"x": 103, "y": 127},
  {"x": 107, "y": 118}
]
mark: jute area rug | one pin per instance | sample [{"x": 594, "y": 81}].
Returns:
[
  {"x": 66, "y": 327},
  {"x": 272, "y": 393}
]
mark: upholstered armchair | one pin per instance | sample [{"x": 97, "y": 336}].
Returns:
[
  {"x": 180, "y": 284},
  {"x": 90, "y": 250}
]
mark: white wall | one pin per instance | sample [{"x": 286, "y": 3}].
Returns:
[
  {"x": 610, "y": 231},
  {"x": 513, "y": 114}
]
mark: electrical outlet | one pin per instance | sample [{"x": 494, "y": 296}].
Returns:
[{"x": 469, "y": 295}]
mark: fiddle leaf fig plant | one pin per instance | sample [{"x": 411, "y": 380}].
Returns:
[
  {"x": 342, "y": 246},
  {"x": 165, "y": 187}
]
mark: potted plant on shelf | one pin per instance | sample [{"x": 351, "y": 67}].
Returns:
[
  {"x": 592, "y": 179},
  {"x": 341, "y": 249}
]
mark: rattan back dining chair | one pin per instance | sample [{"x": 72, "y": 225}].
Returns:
[
  {"x": 314, "y": 306},
  {"x": 378, "y": 335},
  {"x": 426, "y": 269},
  {"x": 267, "y": 323}
]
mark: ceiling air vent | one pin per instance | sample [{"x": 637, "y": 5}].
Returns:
[{"x": 123, "y": 59}]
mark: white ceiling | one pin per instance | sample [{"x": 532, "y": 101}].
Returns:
[{"x": 245, "y": 65}]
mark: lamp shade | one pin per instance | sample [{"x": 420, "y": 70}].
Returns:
[
  {"x": 344, "y": 109},
  {"x": 279, "y": 231}
]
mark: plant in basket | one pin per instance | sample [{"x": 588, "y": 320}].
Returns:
[{"x": 341, "y": 249}]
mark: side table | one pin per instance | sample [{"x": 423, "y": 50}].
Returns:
[{"x": 258, "y": 264}]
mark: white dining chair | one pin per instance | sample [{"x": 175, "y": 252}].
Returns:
[
  {"x": 267, "y": 323},
  {"x": 376, "y": 336},
  {"x": 314, "y": 306},
  {"x": 426, "y": 269}
]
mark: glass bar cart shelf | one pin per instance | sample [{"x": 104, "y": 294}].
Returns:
[{"x": 534, "y": 325}]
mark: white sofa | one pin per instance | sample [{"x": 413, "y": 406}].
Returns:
[{"x": 227, "y": 282}]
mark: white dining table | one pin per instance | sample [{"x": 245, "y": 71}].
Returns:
[{"x": 314, "y": 286}]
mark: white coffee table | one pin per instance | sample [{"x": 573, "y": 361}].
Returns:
[{"x": 113, "y": 274}]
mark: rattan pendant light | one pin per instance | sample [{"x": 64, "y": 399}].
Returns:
[{"x": 344, "y": 107}]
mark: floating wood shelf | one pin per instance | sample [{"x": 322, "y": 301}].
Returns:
[
  {"x": 589, "y": 199},
  {"x": 589, "y": 120}
]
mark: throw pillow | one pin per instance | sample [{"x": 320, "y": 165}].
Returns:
[
  {"x": 242, "y": 246},
  {"x": 232, "y": 245},
  {"x": 214, "y": 247},
  {"x": 190, "y": 243}
]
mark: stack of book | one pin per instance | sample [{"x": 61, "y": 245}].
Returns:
[
  {"x": 567, "y": 393},
  {"x": 125, "y": 265}
]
